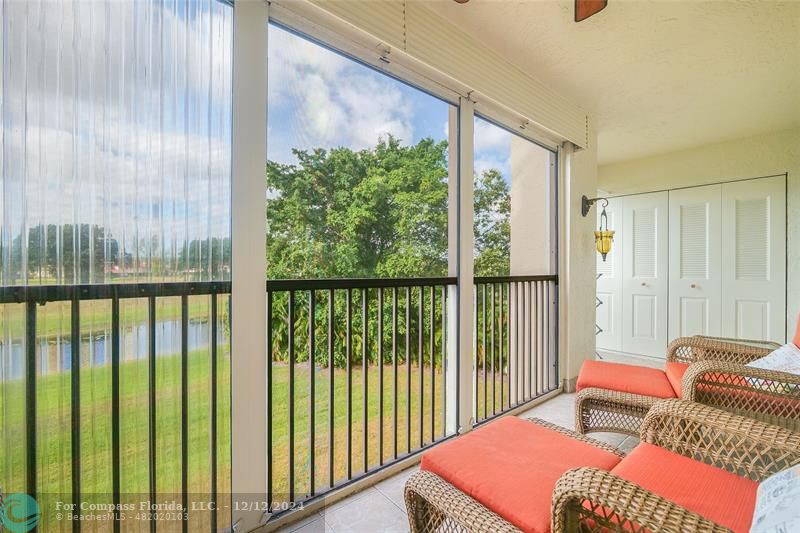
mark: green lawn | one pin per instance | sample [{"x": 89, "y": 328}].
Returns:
[
  {"x": 96, "y": 315},
  {"x": 54, "y": 430}
]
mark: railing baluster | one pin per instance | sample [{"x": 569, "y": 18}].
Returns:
[
  {"x": 528, "y": 321},
  {"x": 312, "y": 408},
  {"x": 75, "y": 417},
  {"x": 152, "y": 400},
  {"x": 524, "y": 342},
  {"x": 270, "y": 404},
  {"x": 30, "y": 397},
  {"x": 380, "y": 376},
  {"x": 534, "y": 338},
  {"x": 408, "y": 369},
  {"x": 475, "y": 357},
  {"x": 365, "y": 371},
  {"x": 421, "y": 365},
  {"x": 213, "y": 428},
  {"x": 492, "y": 352},
  {"x": 432, "y": 355},
  {"x": 500, "y": 345},
  {"x": 331, "y": 383},
  {"x": 115, "y": 421},
  {"x": 543, "y": 341},
  {"x": 290, "y": 349},
  {"x": 394, "y": 370},
  {"x": 349, "y": 357},
  {"x": 549, "y": 333},
  {"x": 508, "y": 341},
  {"x": 185, "y": 407},
  {"x": 484, "y": 346},
  {"x": 444, "y": 360}
]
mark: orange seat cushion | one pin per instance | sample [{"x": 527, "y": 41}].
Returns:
[
  {"x": 511, "y": 466},
  {"x": 713, "y": 493},
  {"x": 625, "y": 378},
  {"x": 797, "y": 333},
  {"x": 675, "y": 372}
]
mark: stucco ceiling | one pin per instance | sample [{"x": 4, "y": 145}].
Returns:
[{"x": 658, "y": 76}]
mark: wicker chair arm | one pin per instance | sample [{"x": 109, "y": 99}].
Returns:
[
  {"x": 741, "y": 445},
  {"x": 605, "y": 502},
  {"x": 434, "y": 505},
  {"x": 767, "y": 395},
  {"x": 692, "y": 349}
]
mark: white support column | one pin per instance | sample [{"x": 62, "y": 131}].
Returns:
[
  {"x": 463, "y": 248},
  {"x": 248, "y": 218}
]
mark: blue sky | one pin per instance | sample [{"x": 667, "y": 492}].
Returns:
[{"x": 318, "y": 98}]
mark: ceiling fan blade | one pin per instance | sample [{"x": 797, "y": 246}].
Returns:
[{"x": 586, "y": 8}]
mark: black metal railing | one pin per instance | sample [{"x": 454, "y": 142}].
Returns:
[
  {"x": 124, "y": 389},
  {"x": 113, "y": 405},
  {"x": 361, "y": 365},
  {"x": 515, "y": 351}
]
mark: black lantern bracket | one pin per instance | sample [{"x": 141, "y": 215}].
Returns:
[{"x": 587, "y": 203}]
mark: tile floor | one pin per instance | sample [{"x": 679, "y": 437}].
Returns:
[{"x": 380, "y": 508}]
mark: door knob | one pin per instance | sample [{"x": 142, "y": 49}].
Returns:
[
  {"x": 644, "y": 284},
  {"x": 694, "y": 286}
]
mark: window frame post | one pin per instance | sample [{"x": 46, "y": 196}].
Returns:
[
  {"x": 461, "y": 264},
  {"x": 248, "y": 247}
]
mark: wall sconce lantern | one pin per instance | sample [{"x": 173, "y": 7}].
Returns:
[{"x": 602, "y": 237}]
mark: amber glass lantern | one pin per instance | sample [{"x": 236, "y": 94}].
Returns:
[{"x": 603, "y": 237}]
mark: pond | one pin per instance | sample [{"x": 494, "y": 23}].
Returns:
[{"x": 55, "y": 352}]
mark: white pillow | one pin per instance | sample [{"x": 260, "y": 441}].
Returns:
[
  {"x": 786, "y": 359},
  {"x": 776, "y": 503}
]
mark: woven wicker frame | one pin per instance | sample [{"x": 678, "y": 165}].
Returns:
[
  {"x": 699, "y": 348},
  {"x": 588, "y": 499},
  {"x": 605, "y": 410},
  {"x": 766, "y": 395}
]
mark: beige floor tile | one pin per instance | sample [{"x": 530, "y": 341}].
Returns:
[
  {"x": 372, "y": 513},
  {"x": 318, "y": 525},
  {"x": 394, "y": 487}
]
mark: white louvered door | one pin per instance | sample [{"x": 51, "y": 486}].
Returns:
[
  {"x": 609, "y": 282},
  {"x": 754, "y": 259},
  {"x": 645, "y": 272},
  {"x": 694, "y": 261}
]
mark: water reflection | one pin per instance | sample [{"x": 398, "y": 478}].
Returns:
[{"x": 55, "y": 352}]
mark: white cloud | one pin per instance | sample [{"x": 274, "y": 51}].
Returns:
[
  {"x": 491, "y": 137},
  {"x": 484, "y": 162},
  {"x": 326, "y": 100}
]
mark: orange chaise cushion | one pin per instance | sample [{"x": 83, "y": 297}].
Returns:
[
  {"x": 713, "y": 493},
  {"x": 675, "y": 372},
  {"x": 511, "y": 466},
  {"x": 797, "y": 333},
  {"x": 633, "y": 379}
]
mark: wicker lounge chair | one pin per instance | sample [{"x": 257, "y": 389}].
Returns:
[
  {"x": 620, "y": 407},
  {"x": 592, "y": 499}
]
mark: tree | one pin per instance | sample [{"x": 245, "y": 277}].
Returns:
[
  {"x": 492, "y": 225},
  {"x": 380, "y": 212}
]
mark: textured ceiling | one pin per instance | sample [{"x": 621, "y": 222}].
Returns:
[{"x": 657, "y": 75}]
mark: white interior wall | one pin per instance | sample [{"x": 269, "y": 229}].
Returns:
[
  {"x": 577, "y": 261},
  {"x": 763, "y": 155},
  {"x": 530, "y": 208}
]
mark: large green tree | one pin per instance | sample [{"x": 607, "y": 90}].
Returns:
[{"x": 380, "y": 212}]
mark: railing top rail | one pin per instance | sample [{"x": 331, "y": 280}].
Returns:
[
  {"x": 507, "y": 279},
  {"x": 275, "y": 285},
  {"x": 60, "y": 293},
  {"x": 105, "y": 291}
]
